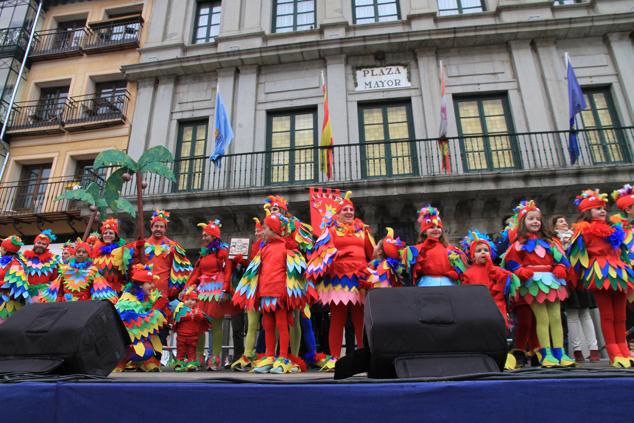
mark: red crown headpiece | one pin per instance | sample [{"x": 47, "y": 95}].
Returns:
[
  {"x": 12, "y": 244},
  {"x": 143, "y": 273},
  {"x": 428, "y": 217},
  {"x": 46, "y": 236},
  {"x": 524, "y": 207},
  {"x": 258, "y": 224},
  {"x": 160, "y": 216},
  {"x": 212, "y": 228},
  {"x": 344, "y": 201},
  {"x": 110, "y": 223},
  {"x": 277, "y": 223},
  {"x": 624, "y": 196},
  {"x": 590, "y": 199},
  {"x": 276, "y": 201},
  {"x": 83, "y": 244}
]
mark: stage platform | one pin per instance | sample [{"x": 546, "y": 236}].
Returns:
[{"x": 587, "y": 394}]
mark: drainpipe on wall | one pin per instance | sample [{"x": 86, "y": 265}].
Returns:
[{"x": 4, "y": 147}]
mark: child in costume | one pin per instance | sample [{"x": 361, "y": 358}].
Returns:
[
  {"x": 387, "y": 269},
  {"x": 339, "y": 269},
  {"x": 578, "y": 303},
  {"x": 140, "y": 310},
  {"x": 542, "y": 268},
  {"x": 14, "y": 286},
  {"x": 482, "y": 271},
  {"x": 597, "y": 253},
  {"x": 274, "y": 283},
  {"x": 79, "y": 280},
  {"x": 190, "y": 323},
  {"x": 434, "y": 261},
  {"x": 112, "y": 256},
  {"x": 211, "y": 278},
  {"x": 300, "y": 238},
  {"x": 68, "y": 251}
]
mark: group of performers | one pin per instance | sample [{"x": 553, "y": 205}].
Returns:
[{"x": 529, "y": 269}]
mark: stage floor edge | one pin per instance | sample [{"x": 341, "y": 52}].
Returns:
[{"x": 509, "y": 401}]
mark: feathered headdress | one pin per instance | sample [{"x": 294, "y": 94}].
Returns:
[
  {"x": 276, "y": 201},
  {"x": 46, "y": 236},
  {"x": 392, "y": 246},
  {"x": 85, "y": 245},
  {"x": 93, "y": 238},
  {"x": 110, "y": 223},
  {"x": 12, "y": 244},
  {"x": 522, "y": 209},
  {"x": 428, "y": 217},
  {"x": 212, "y": 227},
  {"x": 258, "y": 224},
  {"x": 160, "y": 216},
  {"x": 475, "y": 237},
  {"x": 344, "y": 201},
  {"x": 590, "y": 199},
  {"x": 142, "y": 273},
  {"x": 624, "y": 197},
  {"x": 278, "y": 224},
  {"x": 70, "y": 247}
]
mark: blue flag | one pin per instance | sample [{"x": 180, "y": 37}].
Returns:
[
  {"x": 223, "y": 134},
  {"x": 577, "y": 103}
]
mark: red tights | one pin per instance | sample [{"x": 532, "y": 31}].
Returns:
[
  {"x": 612, "y": 306},
  {"x": 276, "y": 320},
  {"x": 186, "y": 347},
  {"x": 338, "y": 318},
  {"x": 525, "y": 336}
]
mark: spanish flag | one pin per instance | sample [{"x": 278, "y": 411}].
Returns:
[{"x": 326, "y": 151}]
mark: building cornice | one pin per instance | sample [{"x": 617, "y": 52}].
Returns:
[{"x": 465, "y": 36}]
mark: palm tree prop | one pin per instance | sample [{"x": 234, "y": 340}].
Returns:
[
  {"x": 154, "y": 160},
  {"x": 90, "y": 195}
]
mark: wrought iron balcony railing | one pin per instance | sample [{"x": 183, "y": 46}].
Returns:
[
  {"x": 13, "y": 42},
  {"x": 89, "y": 111},
  {"x": 114, "y": 34},
  {"x": 55, "y": 43},
  {"x": 32, "y": 197},
  {"x": 468, "y": 155}
]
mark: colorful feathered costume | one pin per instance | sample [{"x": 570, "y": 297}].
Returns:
[
  {"x": 274, "y": 283},
  {"x": 433, "y": 263},
  {"x": 138, "y": 309},
  {"x": 542, "y": 268},
  {"x": 168, "y": 259},
  {"x": 389, "y": 270},
  {"x": 602, "y": 263},
  {"x": 114, "y": 259},
  {"x": 79, "y": 281},
  {"x": 211, "y": 279},
  {"x": 41, "y": 269},
  {"x": 14, "y": 285},
  {"x": 339, "y": 268},
  {"x": 497, "y": 280},
  {"x": 189, "y": 322}
]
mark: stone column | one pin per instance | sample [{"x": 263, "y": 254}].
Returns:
[
  {"x": 157, "y": 21},
  {"x": 338, "y": 107},
  {"x": 142, "y": 118},
  {"x": 252, "y": 19},
  {"x": 622, "y": 54},
  {"x": 429, "y": 74},
  {"x": 230, "y": 17},
  {"x": 161, "y": 113}
]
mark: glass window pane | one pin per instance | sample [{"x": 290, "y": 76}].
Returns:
[
  {"x": 186, "y": 149},
  {"x": 373, "y": 133},
  {"x": 281, "y": 123},
  {"x": 600, "y": 101},
  {"x": 397, "y": 114},
  {"x": 284, "y": 22},
  {"x": 493, "y": 107},
  {"x": 285, "y": 9},
  {"x": 204, "y": 10},
  {"x": 471, "y": 126},
  {"x": 304, "y": 138},
  {"x": 365, "y": 12},
  {"x": 365, "y": 20},
  {"x": 362, "y": 2},
  {"x": 471, "y": 3},
  {"x": 387, "y": 9},
  {"x": 281, "y": 140},
  {"x": 305, "y": 6},
  {"x": 375, "y": 162},
  {"x": 215, "y": 19},
  {"x": 305, "y": 19},
  {"x": 468, "y": 108},
  {"x": 201, "y": 34},
  {"x": 202, "y": 21},
  {"x": 496, "y": 124},
  {"x": 304, "y": 121},
  {"x": 187, "y": 133},
  {"x": 371, "y": 116},
  {"x": 398, "y": 131}
]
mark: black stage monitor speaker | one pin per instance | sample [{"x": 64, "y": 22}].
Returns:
[
  {"x": 84, "y": 337},
  {"x": 433, "y": 332}
]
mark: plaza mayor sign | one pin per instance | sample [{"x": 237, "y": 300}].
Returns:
[{"x": 380, "y": 78}]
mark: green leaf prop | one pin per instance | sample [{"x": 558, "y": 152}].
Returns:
[
  {"x": 115, "y": 158},
  {"x": 158, "y": 154}
]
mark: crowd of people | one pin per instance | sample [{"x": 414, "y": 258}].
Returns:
[{"x": 296, "y": 273}]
